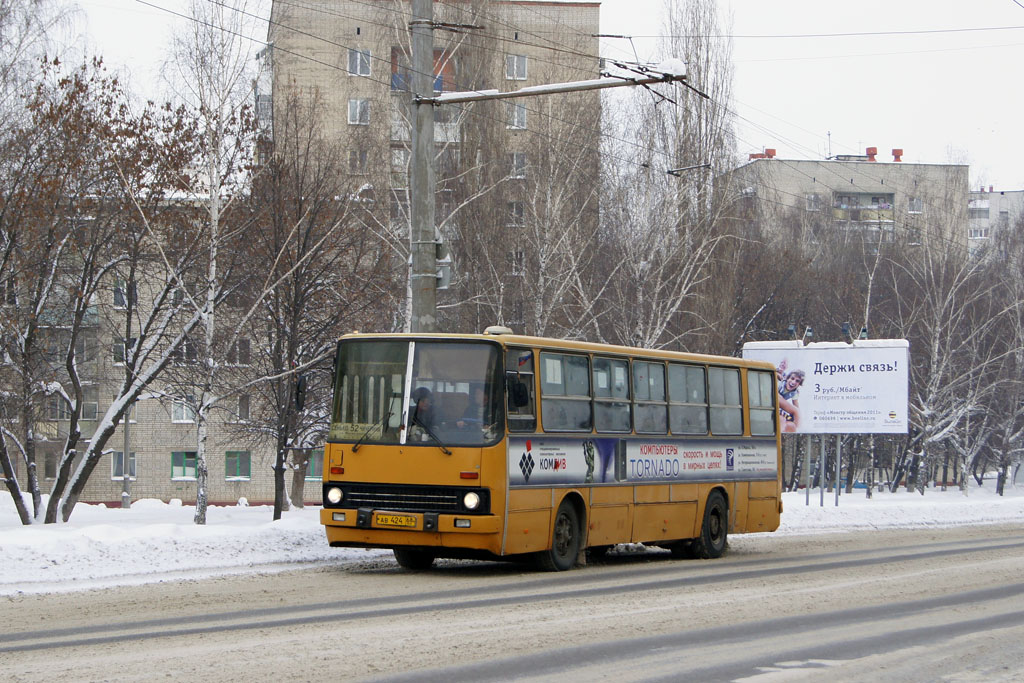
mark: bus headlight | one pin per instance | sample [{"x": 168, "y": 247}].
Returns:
[
  {"x": 471, "y": 500},
  {"x": 334, "y": 495}
]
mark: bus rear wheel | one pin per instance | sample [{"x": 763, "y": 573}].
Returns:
[
  {"x": 714, "y": 530},
  {"x": 411, "y": 558},
  {"x": 565, "y": 540}
]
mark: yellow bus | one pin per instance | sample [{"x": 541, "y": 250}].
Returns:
[{"x": 496, "y": 445}]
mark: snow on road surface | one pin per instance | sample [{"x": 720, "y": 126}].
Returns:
[{"x": 154, "y": 541}]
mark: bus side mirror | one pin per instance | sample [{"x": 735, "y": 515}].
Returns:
[
  {"x": 300, "y": 392},
  {"x": 518, "y": 392}
]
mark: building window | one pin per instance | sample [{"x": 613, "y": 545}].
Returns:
[
  {"x": 516, "y": 115},
  {"x": 399, "y": 206},
  {"x": 978, "y": 214},
  {"x": 515, "y": 67},
  {"x": 977, "y": 233},
  {"x": 516, "y": 214},
  {"x": 264, "y": 109},
  {"x": 315, "y": 468},
  {"x": 85, "y": 347},
  {"x": 359, "y": 112},
  {"x": 238, "y": 354},
  {"x": 57, "y": 408},
  {"x": 813, "y": 202},
  {"x": 516, "y": 262},
  {"x": 915, "y": 205},
  {"x": 517, "y": 165},
  {"x": 237, "y": 465},
  {"x": 50, "y": 465},
  {"x": 359, "y": 62},
  {"x": 357, "y": 161},
  {"x": 182, "y": 411},
  {"x": 186, "y": 352},
  {"x": 243, "y": 406},
  {"x": 124, "y": 293},
  {"x": 120, "y": 347},
  {"x": 117, "y": 466},
  {"x": 183, "y": 465},
  {"x": 90, "y": 402}
]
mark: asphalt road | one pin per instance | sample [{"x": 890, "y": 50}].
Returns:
[{"x": 943, "y": 604}]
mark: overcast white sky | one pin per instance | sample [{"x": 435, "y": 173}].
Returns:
[{"x": 938, "y": 91}]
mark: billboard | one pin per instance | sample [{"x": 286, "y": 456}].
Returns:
[{"x": 838, "y": 388}]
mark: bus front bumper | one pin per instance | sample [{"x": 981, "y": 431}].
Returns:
[{"x": 409, "y": 522}]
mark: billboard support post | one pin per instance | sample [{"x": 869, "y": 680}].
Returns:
[
  {"x": 839, "y": 460},
  {"x": 822, "y": 473},
  {"x": 807, "y": 471}
]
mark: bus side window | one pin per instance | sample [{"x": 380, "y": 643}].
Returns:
[
  {"x": 522, "y": 414},
  {"x": 761, "y": 393},
  {"x": 611, "y": 395},
  {"x": 649, "y": 408},
  {"x": 565, "y": 392},
  {"x": 688, "y": 412},
  {"x": 726, "y": 407}
]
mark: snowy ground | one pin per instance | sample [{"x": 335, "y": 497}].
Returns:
[{"x": 155, "y": 541}]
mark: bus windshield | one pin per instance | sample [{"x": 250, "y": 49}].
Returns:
[{"x": 417, "y": 392}]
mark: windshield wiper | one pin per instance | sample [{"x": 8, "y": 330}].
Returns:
[
  {"x": 429, "y": 431},
  {"x": 382, "y": 422}
]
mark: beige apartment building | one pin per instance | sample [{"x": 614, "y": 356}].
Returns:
[
  {"x": 989, "y": 211},
  {"x": 162, "y": 434},
  {"x": 879, "y": 200},
  {"x": 495, "y": 161}
]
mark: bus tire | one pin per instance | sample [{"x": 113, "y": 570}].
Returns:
[
  {"x": 714, "y": 530},
  {"x": 565, "y": 540},
  {"x": 413, "y": 559}
]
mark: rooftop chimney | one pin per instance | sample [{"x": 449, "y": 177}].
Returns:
[
  {"x": 897, "y": 154},
  {"x": 769, "y": 153},
  {"x": 871, "y": 152},
  {"x": 989, "y": 188}
]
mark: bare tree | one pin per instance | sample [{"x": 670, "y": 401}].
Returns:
[
  {"x": 665, "y": 224},
  {"x": 213, "y": 62},
  {"x": 84, "y": 157},
  {"x": 331, "y": 275}
]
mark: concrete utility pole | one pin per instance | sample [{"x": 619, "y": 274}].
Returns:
[
  {"x": 423, "y": 241},
  {"x": 423, "y": 237}
]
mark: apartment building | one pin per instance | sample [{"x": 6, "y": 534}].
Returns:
[
  {"x": 989, "y": 211},
  {"x": 162, "y": 431},
  {"x": 858, "y": 195},
  {"x": 493, "y": 159}
]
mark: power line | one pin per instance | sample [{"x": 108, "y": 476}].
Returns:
[{"x": 846, "y": 34}]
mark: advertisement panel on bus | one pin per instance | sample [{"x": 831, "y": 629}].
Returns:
[{"x": 565, "y": 460}]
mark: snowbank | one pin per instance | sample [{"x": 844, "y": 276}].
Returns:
[{"x": 155, "y": 541}]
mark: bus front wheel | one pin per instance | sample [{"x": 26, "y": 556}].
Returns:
[
  {"x": 417, "y": 560},
  {"x": 711, "y": 542},
  {"x": 565, "y": 540}
]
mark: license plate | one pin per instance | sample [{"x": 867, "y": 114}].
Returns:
[{"x": 396, "y": 520}]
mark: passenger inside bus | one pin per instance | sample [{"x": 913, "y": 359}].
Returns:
[
  {"x": 422, "y": 412},
  {"x": 473, "y": 416}
]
